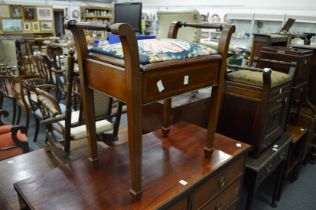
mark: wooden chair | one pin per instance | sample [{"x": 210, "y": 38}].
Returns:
[
  {"x": 13, "y": 140},
  {"x": 62, "y": 128},
  {"x": 9, "y": 90},
  {"x": 137, "y": 84},
  {"x": 30, "y": 103},
  {"x": 255, "y": 106}
]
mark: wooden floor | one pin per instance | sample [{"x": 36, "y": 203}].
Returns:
[{"x": 34, "y": 164}]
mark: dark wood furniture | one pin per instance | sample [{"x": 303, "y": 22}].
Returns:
[
  {"x": 312, "y": 73},
  {"x": 136, "y": 84},
  {"x": 255, "y": 114},
  {"x": 301, "y": 132},
  {"x": 302, "y": 58},
  {"x": 181, "y": 179},
  {"x": 262, "y": 40},
  {"x": 257, "y": 170}
]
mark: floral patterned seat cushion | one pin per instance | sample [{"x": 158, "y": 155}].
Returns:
[
  {"x": 255, "y": 78},
  {"x": 159, "y": 50}
]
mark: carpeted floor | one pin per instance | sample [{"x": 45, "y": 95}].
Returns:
[{"x": 300, "y": 195}]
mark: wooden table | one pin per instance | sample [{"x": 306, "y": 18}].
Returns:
[
  {"x": 36, "y": 163},
  {"x": 176, "y": 175},
  {"x": 257, "y": 170}
]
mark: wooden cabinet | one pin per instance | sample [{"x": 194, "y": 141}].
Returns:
[
  {"x": 255, "y": 115},
  {"x": 176, "y": 176},
  {"x": 257, "y": 170}
]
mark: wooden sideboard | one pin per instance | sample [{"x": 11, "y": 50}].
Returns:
[{"x": 176, "y": 175}]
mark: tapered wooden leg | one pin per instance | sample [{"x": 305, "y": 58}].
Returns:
[
  {"x": 216, "y": 98},
  {"x": 134, "y": 117},
  {"x": 166, "y": 121},
  {"x": 89, "y": 116}
]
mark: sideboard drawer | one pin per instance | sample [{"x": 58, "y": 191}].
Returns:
[
  {"x": 225, "y": 200},
  {"x": 207, "y": 190},
  {"x": 181, "y": 203},
  {"x": 272, "y": 164}
]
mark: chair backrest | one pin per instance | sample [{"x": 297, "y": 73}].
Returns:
[{"x": 165, "y": 18}]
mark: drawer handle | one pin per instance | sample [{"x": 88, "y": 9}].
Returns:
[
  {"x": 269, "y": 168},
  {"x": 219, "y": 206},
  {"x": 282, "y": 155},
  {"x": 222, "y": 182}
]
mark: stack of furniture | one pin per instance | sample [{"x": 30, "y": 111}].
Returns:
[{"x": 189, "y": 179}]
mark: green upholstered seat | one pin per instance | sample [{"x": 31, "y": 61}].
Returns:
[{"x": 255, "y": 78}]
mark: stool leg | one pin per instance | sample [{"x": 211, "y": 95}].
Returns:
[{"x": 166, "y": 121}]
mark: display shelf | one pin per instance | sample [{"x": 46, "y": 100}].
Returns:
[{"x": 97, "y": 14}]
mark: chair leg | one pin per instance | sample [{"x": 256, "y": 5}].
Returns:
[
  {"x": 14, "y": 111},
  {"x": 1, "y": 100},
  {"x": 37, "y": 125},
  {"x": 27, "y": 120},
  {"x": 19, "y": 115}
]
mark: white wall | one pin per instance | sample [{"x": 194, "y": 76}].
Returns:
[{"x": 221, "y": 7}]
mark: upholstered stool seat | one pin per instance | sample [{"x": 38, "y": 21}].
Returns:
[
  {"x": 159, "y": 50},
  {"x": 255, "y": 78}
]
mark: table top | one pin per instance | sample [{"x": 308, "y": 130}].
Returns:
[
  {"x": 260, "y": 162},
  {"x": 78, "y": 185}
]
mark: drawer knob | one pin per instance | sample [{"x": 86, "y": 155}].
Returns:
[
  {"x": 282, "y": 155},
  {"x": 222, "y": 182},
  {"x": 269, "y": 168},
  {"x": 219, "y": 206}
]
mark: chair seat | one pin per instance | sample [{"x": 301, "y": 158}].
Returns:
[
  {"x": 255, "y": 78},
  {"x": 6, "y": 141},
  {"x": 159, "y": 50},
  {"x": 38, "y": 113},
  {"x": 79, "y": 132},
  {"x": 5, "y": 128}
]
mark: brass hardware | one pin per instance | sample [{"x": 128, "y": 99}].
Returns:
[
  {"x": 282, "y": 155},
  {"x": 269, "y": 168},
  {"x": 222, "y": 181},
  {"x": 219, "y": 206}
]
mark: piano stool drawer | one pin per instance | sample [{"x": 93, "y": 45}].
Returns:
[
  {"x": 217, "y": 183},
  {"x": 225, "y": 199}
]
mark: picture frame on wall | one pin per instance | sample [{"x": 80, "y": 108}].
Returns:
[
  {"x": 35, "y": 27},
  {"x": 27, "y": 26},
  {"x": 12, "y": 25},
  {"x": 46, "y": 25},
  {"x": 29, "y": 13},
  {"x": 16, "y": 11},
  {"x": 4, "y": 11},
  {"x": 44, "y": 13}
]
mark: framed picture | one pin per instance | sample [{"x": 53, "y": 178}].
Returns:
[
  {"x": 16, "y": 11},
  {"x": 44, "y": 13},
  {"x": 35, "y": 27},
  {"x": 4, "y": 11},
  {"x": 12, "y": 25},
  {"x": 29, "y": 13},
  {"x": 46, "y": 25},
  {"x": 27, "y": 26}
]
